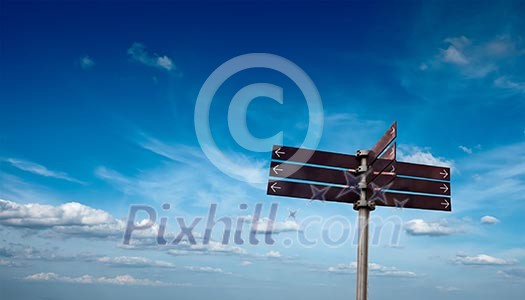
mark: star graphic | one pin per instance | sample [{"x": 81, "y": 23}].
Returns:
[
  {"x": 351, "y": 184},
  {"x": 400, "y": 204},
  {"x": 318, "y": 194},
  {"x": 379, "y": 193}
]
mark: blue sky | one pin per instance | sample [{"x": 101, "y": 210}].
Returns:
[{"x": 97, "y": 114}]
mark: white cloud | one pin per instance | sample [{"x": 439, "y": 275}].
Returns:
[
  {"x": 69, "y": 219},
  {"x": 87, "y": 62},
  {"x": 264, "y": 225},
  {"x": 139, "y": 53},
  {"x": 459, "y": 42},
  {"x": 421, "y": 227},
  {"x": 447, "y": 288},
  {"x": 89, "y": 279},
  {"x": 216, "y": 247},
  {"x": 373, "y": 269},
  {"x": 489, "y": 220},
  {"x": 482, "y": 259},
  {"x": 9, "y": 264},
  {"x": 206, "y": 269},
  {"x": 414, "y": 154},
  {"x": 42, "y": 215},
  {"x": 165, "y": 62},
  {"x": 453, "y": 55},
  {"x": 273, "y": 254},
  {"x": 133, "y": 261},
  {"x": 246, "y": 263},
  {"x": 38, "y": 169},
  {"x": 465, "y": 149}
]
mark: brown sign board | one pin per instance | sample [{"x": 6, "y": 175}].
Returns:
[
  {"x": 396, "y": 183},
  {"x": 309, "y": 173},
  {"x": 423, "y": 171},
  {"x": 310, "y": 191},
  {"x": 414, "y": 201},
  {"x": 383, "y": 142},
  {"x": 338, "y": 194},
  {"x": 314, "y": 157}
]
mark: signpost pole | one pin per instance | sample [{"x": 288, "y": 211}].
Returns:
[{"x": 364, "y": 208}]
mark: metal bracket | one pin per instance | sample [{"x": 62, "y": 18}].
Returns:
[
  {"x": 370, "y": 205},
  {"x": 363, "y": 203},
  {"x": 362, "y": 153}
]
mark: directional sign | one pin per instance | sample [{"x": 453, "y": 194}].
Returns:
[
  {"x": 423, "y": 171},
  {"x": 383, "y": 142},
  {"x": 385, "y": 163},
  {"x": 310, "y": 174},
  {"x": 315, "y": 157},
  {"x": 310, "y": 191},
  {"x": 413, "y": 185},
  {"x": 317, "y": 174},
  {"x": 414, "y": 201},
  {"x": 286, "y": 170},
  {"x": 390, "y": 153},
  {"x": 337, "y": 194}
]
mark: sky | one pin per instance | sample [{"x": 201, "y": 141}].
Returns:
[{"x": 101, "y": 111}]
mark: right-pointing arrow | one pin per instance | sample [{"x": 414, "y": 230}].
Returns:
[
  {"x": 444, "y": 188},
  {"x": 446, "y": 203},
  {"x": 444, "y": 173},
  {"x": 275, "y": 187}
]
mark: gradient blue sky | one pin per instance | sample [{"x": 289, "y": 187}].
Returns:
[{"x": 97, "y": 104}]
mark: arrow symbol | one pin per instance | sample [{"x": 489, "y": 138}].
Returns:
[
  {"x": 278, "y": 152},
  {"x": 276, "y": 169},
  {"x": 275, "y": 187},
  {"x": 444, "y": 173},
  {"x": 393, "y": 169},
  {"x": 446, "y": 203},
  {"x": 444, "y": 188}
]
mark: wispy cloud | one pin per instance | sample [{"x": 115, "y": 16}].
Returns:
[
  {"x": 517, "y": 273},
  {"x": 246, "y": 263},
  {"x": 483, "y": 260},
  {"x": 447, "y": 289},
  {"x": 491, "y": 167},
  {"x": 89, "y": 279},
  {"x": 465, "y": 149},
  {"x": 206, "y": 269},
  {"x": 373, "y": 268},
  {"x": 134, "y": 262},
  {"x": 38, "y": 169},
  {"x": 454, "y": 52},
  {"x": 86, "y": 62},
  {"x": 139, "y": 53},
  {"x": 506, "y": 83}
]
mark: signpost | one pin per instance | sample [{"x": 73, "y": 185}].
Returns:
[{"x": 369, "y": 178}]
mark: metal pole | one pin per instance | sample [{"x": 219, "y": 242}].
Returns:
[{"x": 364, "y": 207}]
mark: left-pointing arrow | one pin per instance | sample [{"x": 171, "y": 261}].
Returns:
[
  {"x": 278, "y": 152},
  {"x": 274, "y": 187},
  {"x": 276, "y": 169}
]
